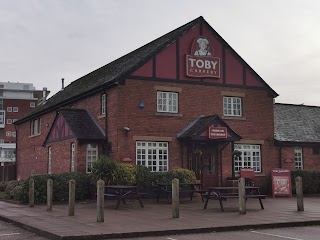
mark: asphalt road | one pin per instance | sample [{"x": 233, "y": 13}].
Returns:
[
  {"x": 10, "y": 232},
  {"x": 295, "y": 233}
]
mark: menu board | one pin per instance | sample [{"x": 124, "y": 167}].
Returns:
[{"x": 281, "y": 182}]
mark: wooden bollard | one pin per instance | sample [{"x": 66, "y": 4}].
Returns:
[
  {"x": 100, "y": 201},
  {"x": 49, "y": 194},
  {"x": 31, "y": 192},
  {"x": 299, "y": 193},
  {"x": 175, "y": 198},
  {"x": 242, "y": 193},
  {"x": 72, "y": 197}
]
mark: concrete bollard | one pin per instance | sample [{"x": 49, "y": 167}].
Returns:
[
  {"x": 242, "y": 193},
  {"x": 299, "y": 192},
  {"x": 49, "y": 194},
  {"x": 72, "y": 197},
  {"x": 31, "y": 192},
  {"x": 100, "y": 201},
  {"x": 175, "y": 198}
]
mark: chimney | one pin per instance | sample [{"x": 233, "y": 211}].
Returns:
[
  {"x": 62, "y": 82},
  {"x": 44, "y": 94}
]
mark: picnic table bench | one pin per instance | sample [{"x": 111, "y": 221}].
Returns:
[
  {"x": 184, "y": 189},
  {"x": 223, "y": 193},
  {"x": 122, "y": 192}
]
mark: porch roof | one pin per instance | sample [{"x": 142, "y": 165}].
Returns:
[{"x": 198, "y": 129}]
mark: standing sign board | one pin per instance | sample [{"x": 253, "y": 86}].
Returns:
[{"x": 281, "y": 182}]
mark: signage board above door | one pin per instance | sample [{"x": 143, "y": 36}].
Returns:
[{"x": 217, "y": 132}]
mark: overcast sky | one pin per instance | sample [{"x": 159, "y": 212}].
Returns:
[{"x": 42, "y": 41}]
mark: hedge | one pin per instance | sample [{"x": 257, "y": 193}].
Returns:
[{"x": 310, "y": 181}]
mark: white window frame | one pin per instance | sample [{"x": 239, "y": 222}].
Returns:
[
  {"x": 15, "y": 109},
  {"x": 8, "y": 153},
  {"x": 154, "y": 155},
  {"x": 9, "y": 121},
  {"x": 8, "y": 133},
  {"x": 91, "y": 156},
  {"x": 103, "y": 104},
  {"x": 49, "y": 159},
  {"x": 250, "y": 157},
  {"x": 9, "y": 109},
  {"x": 35, "y": 126},
  {"x": 13, "y": 134},
  {"x": 32, "y": 104},
  {"x": 167, "y": 102},
  {"x": 2, "y": 117},
  {"x": 298, "y": 158},
  {"x": 232, "y": 106},
  {"x": 73, "y": 155}
]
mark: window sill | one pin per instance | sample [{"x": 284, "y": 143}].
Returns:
[
  {"x": 168, "y": 114},
  {"x": 234, "y": 118},
  {"x": 101, "y": 116},
  {"x": 35, "y": 135}
]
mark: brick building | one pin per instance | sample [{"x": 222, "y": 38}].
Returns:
[
  {"x": 16, "y": 100},
  {"x": 186, "y": 99},
  {"x": 297, "y": 136}
]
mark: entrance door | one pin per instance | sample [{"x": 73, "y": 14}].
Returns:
[{"x": 204, "y": 164}]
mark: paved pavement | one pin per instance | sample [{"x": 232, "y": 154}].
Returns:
[{"x": 156, "y": 218}]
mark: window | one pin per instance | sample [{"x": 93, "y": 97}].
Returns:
[
  {"x": 2, "y": 117},
  {"x": 9, "y": 109},
  {"x": 250, "y": 157},
  {"x": 8, "y": 153},
  {"x": 9, "y": 121},
  {"x": 103, "y": 104},
  {"x": 153, "y": 155},
  {"x": 13, "y": 134},
  {"x": 232, "y": 106},
  {"x": 92, "y": 156},
  {"x": 15, "y": 109},
  {"x": 35, "y": 126},
  {"x": 49, "y": 160},
  {"x": 167, "y": 102},
  {"x": 298, "y": 161},
  {"x": 8, "y": 133},
  {"x": 73, "y": 148},
  {"x": 32, "y": 104}
]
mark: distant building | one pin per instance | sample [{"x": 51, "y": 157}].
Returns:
[{"x": 16, "y": 100}]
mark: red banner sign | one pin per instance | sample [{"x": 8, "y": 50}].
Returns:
[
  {"x": 201, "y": 62},
  {"x": 281, "y": 182},
  {"x": 217, "y": 132}
]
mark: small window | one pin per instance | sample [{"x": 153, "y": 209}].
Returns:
[
  {"x": 15, "y": 109},
  {"x": 32, "y": 104},
  {"x": 35, "y": 126},
  {"x": 8, "y": 133},
  {"x": 103, "y": 104},
  {"x": 298, "y": 159},
  {"x": 9, "y": 121},
  {"x": 167, "y": 102},
  {"x": 232, "y": 106},
  {"x": 9, "y": 109},
  {"x": 92, "y": 156},
  {"x": 13, "y": 134}
]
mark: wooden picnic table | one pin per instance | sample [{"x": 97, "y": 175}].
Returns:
[
  {"x": 122, "y": 192},
  {"x": 223, "y": 193}
]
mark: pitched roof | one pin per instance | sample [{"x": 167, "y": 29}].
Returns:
[
  {"x": 201, "y": 124},
  {"x": 81, "y": 123},
  {"x": 296, "y": 123},
  {"x": 114, "y": 72}
]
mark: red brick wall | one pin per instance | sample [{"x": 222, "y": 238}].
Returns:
[{"x": 123, "y": 111}]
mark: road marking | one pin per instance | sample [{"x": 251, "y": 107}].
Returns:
[
  {"x": 171, "y": 239},
  {"x": 274, "y": 235},
  {"x": 9, "y": 234}
]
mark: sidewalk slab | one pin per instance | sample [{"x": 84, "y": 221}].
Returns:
[{"x": 156, "y": 218}]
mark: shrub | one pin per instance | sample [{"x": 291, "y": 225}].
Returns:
[
  {"x": 9, "y": 188},
  {"x": 125, "y": 174},
  {"x": 60, "y": 187},
  {"x": 104, "y": 168},
  {"x": 3, "y": 186},
  {"x": 310, "y": 180}
]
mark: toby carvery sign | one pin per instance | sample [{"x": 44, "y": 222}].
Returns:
[{"x": 202, "y": 62}]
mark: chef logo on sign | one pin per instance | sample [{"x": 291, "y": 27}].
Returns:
[{"x": 202, "y": 63}]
